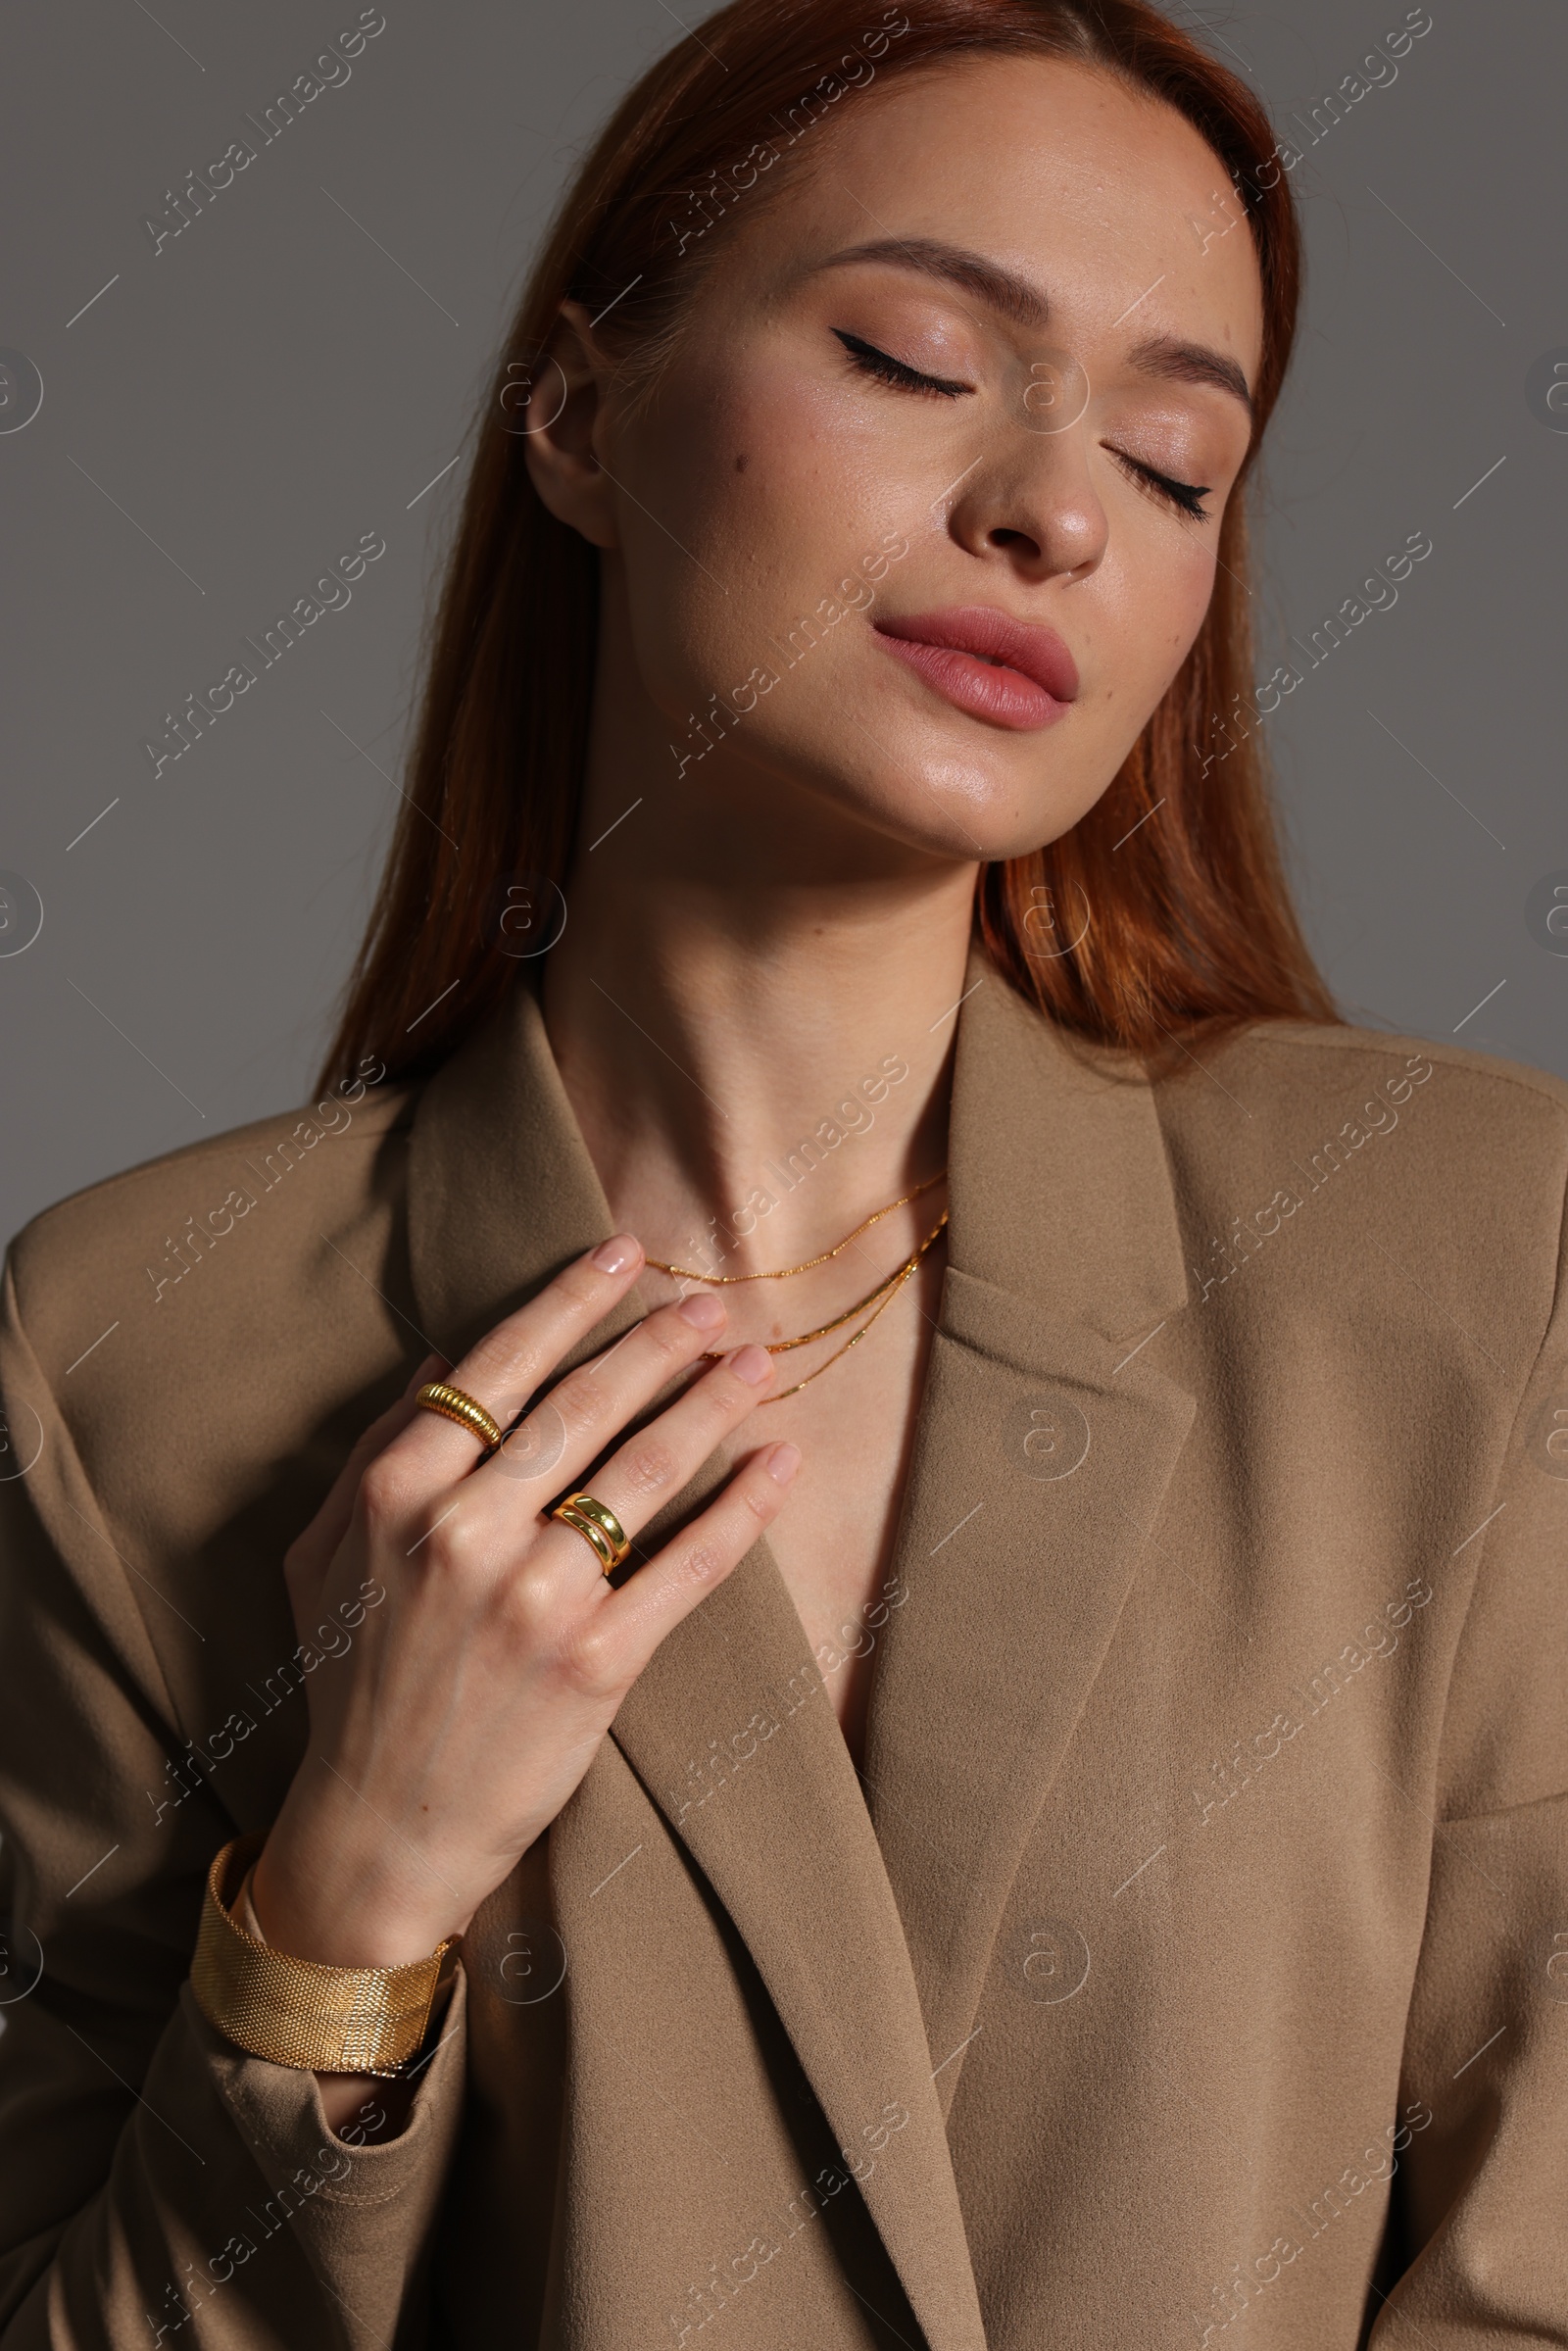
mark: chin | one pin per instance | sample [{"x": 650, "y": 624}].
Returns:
[
  {"x": 937, "y": 781},
  {"x": 957, "y": 803},
  {"x": 955, "y": 784}
]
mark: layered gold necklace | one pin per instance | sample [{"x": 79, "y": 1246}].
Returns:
[{"x": 877, "y": 1300}]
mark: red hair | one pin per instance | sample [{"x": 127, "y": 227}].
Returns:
[{"x": 1186, "y": 921}]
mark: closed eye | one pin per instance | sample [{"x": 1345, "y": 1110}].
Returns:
[
  {"x": 1184, "y": 496},
  {"x": 887, "y": 369}
]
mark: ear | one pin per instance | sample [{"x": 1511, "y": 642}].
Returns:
[{"x": 566, "y": 392}]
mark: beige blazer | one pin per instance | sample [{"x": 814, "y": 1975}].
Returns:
[{"x": 1190, "y": 1965}]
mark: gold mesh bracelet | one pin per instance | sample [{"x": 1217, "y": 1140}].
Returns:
[{"x": 295, "y": 2012}]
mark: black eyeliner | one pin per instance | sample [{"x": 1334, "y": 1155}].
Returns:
[
  {"x": 872, "y": 361},
  {"x": 1182, "y": 496}
]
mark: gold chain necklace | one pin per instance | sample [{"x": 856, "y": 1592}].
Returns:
[
  {"x": 892, "y": 1289},
  {"x": 684, "y": 1273},
  {"x": 781, "y": 1347},
  {"x": 877, "y": 1300}
]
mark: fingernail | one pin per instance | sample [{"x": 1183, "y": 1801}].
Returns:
[
  {"x": 783, "y": 1462},
  {"x": 701, "y": 1310},
  {"x": 614, "y": 1256},
  {"x": 751, "y": 1365}
]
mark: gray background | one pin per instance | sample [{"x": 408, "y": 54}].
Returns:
[{"x": 295, "y": 369}]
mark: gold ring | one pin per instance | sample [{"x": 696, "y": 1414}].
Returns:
[
  {"x": 455, "y": 1403},
  {"x": 597, "y": 1525}
]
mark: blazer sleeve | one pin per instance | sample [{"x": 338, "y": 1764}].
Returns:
[
  {"x": 1481, "y": 2139},
  {"x": 157, "y": 2185}
]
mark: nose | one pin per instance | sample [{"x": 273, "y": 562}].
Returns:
[{"x": 1030, "y": 503}]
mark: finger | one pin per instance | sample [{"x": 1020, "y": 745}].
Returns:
[
  {"x": 312, "y": 1553},
  {"x": 508, "y": 1364},
  {"x": 586, "y": 1411},
  {"x": 641, "y": 1474},
  {"x": 636, "y": 1617}
]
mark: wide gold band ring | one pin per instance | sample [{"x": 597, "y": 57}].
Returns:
[
  {"x": 597, "y": 1525},
  {"x": 455, "y": 1403}
]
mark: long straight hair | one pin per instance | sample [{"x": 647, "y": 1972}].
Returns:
[{"x": 1163, "y": 913}]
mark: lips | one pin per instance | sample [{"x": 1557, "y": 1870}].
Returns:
[{"x": 1014, "y": 674}]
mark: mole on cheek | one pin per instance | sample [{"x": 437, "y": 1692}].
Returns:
[{"x": 741, "y": 463}]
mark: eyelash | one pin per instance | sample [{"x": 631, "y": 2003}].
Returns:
[
  {"x": 1185, "y": 497},
  {"x": 882, "y": 365},
  {"x": 1182, "y": 497}
]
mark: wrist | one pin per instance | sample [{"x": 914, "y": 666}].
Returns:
[
  {"x": 318, "y": 1899},
  {"x": 322, "y": 2016}
]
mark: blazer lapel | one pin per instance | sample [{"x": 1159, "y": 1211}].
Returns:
[
  {"x": 502, "y": 1192},
  {"x": 734, "y": 1737},
  {"x": 1043, "y": 1447},
  {"x": 728, "y": 1727}
]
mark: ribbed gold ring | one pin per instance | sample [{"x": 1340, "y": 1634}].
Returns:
[
  {"x": 455, "y": 1403},
  {"x": 596, "y": 1524}
]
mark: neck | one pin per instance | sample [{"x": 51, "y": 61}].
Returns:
[
  {"x": 756, "y": 1069},
  {"x": 757, "y": 1049}
]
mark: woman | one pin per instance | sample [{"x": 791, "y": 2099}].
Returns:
[{"x": 1044, "y": 1825}]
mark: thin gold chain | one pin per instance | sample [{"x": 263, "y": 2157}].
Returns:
[
  {"x": 899, "y": 1280},
  {"x": 899, "y": 1273},
  {"x": 684, "y": 1273}
]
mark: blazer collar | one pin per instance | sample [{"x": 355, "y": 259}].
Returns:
[
  {"x": 1058, "y": 1182},
  {"x": 871, "y": 1915},
  {"x": 1059, "y": 1186}
]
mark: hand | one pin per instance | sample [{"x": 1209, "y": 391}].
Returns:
[{"x": 475, "y": 1695}]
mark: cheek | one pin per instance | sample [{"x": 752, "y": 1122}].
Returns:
[
  {"x": 776, "y": 496},
  {"x": 1152, "y": 615},
  {"x": 1176, "y": 596},
  {"x": 1192, "y": 591},
  {"x": 821, "y": 481}
]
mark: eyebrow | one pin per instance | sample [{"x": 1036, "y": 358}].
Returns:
[{"x": 1012, "y": 296}]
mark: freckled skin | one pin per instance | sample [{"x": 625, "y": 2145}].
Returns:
[{"x": 1091, "y": 193}]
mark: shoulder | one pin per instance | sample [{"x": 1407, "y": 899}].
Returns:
[
  {"x": 1448, "y": 1164},
  {"x": 1296, "y": 1080},
  {"x": 1290, "y": 1054},
  {"x": 225, "y": 1225}
]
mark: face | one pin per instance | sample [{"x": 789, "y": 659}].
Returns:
[{"x": 922, "y": 519}]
